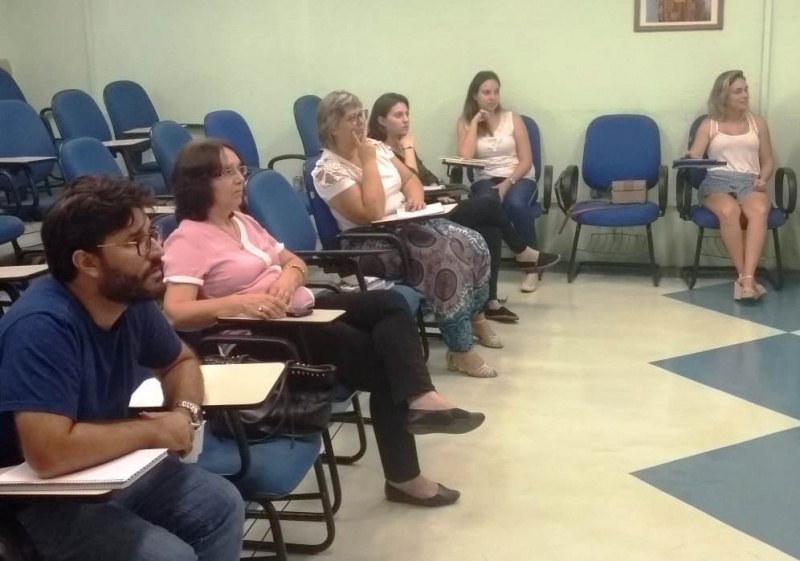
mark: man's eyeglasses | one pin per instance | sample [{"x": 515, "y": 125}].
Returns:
[
  {"x": 230, "y": 172},
  {"x": 356, "y": 117},
  {"x": 143, "y": 245}
]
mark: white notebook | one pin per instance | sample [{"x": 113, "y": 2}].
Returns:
[
  {"x": 116, "y": 474},
  {"x": 433, "y": 208}
]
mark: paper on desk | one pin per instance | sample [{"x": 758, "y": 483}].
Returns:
[{"x": 433, "y": 208}]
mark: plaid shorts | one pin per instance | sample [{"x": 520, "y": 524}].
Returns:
[{"x": 736, "y": 183}]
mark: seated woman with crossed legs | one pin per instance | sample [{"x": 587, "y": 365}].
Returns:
[
  {"x": 739, "y": 189},
  {"x": 363, "y": 181},
  {"x": 390, "y": 123},
  {"x": 498, "y": 137},
  {"x": 220, "y": 262}
]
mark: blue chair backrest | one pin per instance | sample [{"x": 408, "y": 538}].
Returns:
[
  {"x": 305, "y": 117},
  {"x": 536, "y": 143},
  {"x": 327, "y": 227},
  {"x": 165, "y": 224},
  {"x": 229, "y": 125},
  {"x": 22, "y": 133},
  {"x": 621, "y": 147},
  {"x": 77, "y": 114},
  {"x": 129, "y": 106},
  {"x": 86, "y": 156},
  {"x": 9, "y": 89},
  {"x": 274, "y": 205},
  {"x": 167, "y": 138},
  {"x": 696, "y": 176},
  {"x": 11, "y": 228}
]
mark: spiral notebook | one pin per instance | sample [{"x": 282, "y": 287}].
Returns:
[{"x": 116, "y": 474}]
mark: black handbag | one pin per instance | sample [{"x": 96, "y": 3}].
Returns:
[{"x": 298, "y": 405}]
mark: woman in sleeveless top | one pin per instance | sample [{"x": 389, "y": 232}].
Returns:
[
  {"x": 487, "y": 132},
  {"x": 389, "y": 122},
  {"x": 737, "y": 192},
  {"x": 362, "y": 181}
]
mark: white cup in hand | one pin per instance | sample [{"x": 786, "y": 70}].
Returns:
[{"x": 197, "y": 446}]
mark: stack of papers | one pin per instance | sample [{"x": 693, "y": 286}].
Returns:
[
  {"x": 467, "y": 162},
  {"x": 350, "y": 284},
  {"x": 433, "y": 208}
]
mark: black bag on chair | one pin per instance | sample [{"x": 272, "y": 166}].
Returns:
[{"x": 299, "y": 404}]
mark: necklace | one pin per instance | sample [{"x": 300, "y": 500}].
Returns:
[{"x": 232, "y": 235}]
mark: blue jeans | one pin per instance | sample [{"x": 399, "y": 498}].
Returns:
[
  {"x": 517, "y": 204},
  {"x": 176, "y": 512}
]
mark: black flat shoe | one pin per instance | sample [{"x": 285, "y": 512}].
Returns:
[
  {"x": 500, "y": 314},
  {"x": 443, "y": 496},
  {"x": 545, "y": 261},
  {"x": 447, "y": 421}
]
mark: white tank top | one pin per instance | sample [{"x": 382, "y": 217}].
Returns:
[
  {"x": 740, "y": 151},
  {"x": 499, "y": 151}
]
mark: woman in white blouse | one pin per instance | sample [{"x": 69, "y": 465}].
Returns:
[
  {"x": 363, "y": 181},
  {"x": 498, "y": 137}
]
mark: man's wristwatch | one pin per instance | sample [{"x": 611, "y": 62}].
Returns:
[{"x": 193, "y": 408}]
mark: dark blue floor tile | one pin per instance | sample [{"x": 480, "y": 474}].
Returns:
[
  {"x": 766, "y": 371},
  {"x": 778, "y": 309},
  {"x": 752, "y": 486}
]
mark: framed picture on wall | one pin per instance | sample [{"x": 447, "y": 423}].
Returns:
[{"x": 677, "y": 15}]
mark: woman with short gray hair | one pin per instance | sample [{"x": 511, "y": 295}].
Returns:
[{"x": 363, "y": 181}]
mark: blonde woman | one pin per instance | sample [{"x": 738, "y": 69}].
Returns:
[{"x": 739, "y": 189}]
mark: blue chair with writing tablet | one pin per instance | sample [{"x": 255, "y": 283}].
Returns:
[
  {"x": 274, "y": 205},
  {"x": 23, "y": 134}
]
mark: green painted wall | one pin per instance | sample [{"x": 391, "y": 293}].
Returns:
[
  {"x": 563, "y": 63},
  {"x": 6, "y": 44}
]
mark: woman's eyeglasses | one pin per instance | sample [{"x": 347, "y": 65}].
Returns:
[
  {"x": 231, "y": 172},
  {"x": 143, "y": 245},
  {"x": 356, "y": 117}
]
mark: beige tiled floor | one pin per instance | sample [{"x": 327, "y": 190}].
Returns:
[{"x": 576, "y": 409}]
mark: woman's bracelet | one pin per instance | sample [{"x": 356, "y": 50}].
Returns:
[
  {"x": 408, "y": 147},
  {"x": 303, "y": 272}
]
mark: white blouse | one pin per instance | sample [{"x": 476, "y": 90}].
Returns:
[
  {"x": 333, "y": 175},
  {"x": 499, "y": 151}
]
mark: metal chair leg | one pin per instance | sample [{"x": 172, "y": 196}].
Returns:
[
  {"x": 277, "y": 545},
  {"x": 778, "y": 259},
  {"x": 298, "y": 516},
  {"x": 653, "y": 266},
  {"x": 423, "y": 334},
  {"x": 333, "y": 470},
  {"x": 690, "y": 274},
  {"x": 572, "y": 270}
]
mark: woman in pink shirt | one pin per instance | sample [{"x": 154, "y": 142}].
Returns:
[{"x": 221, "y": 262}]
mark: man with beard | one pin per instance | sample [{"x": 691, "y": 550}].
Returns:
[{"x": 72, "y": 351}]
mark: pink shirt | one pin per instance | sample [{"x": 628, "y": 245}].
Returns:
[{"x": 202, "y": 254}]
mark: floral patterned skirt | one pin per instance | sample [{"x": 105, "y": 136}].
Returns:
[{"x": 449, "y": 264}]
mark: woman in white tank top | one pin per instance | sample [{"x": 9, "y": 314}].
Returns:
[
  {"x": 487, "y": 132},
  {"x": 737, "y": 192}
]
